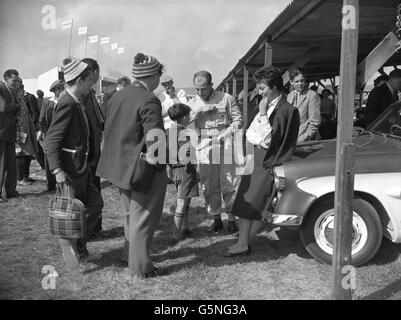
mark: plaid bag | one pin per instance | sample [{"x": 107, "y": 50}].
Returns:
[{"x": 67, "y": 214}]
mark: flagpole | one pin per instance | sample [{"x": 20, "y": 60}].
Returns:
[
  {"x": 72, "y": 26},
  {"x": 98, "y": 45},
  {"x": 86, "y": 41}
]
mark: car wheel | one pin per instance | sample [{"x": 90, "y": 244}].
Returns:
[{"x": 317, "y": 231}]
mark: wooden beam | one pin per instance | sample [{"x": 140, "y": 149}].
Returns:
[
  {"x": 227, "y": 87},
  {"x": 377, "y": 58},
  {"x": 245, "y": 96},
  {"x": 345, "y": 154},
  {"x": 321, "y": 84},
  {"x": 234, "y": 87},
  {"x": 309, "y": 54},
  {"x": 268, "y": 55}
]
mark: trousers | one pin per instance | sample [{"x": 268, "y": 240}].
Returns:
[
  {"x": 141, "y": 214},
  {"x": 8, "y": 168}
]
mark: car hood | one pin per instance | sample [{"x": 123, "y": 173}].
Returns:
[
  {"x": 373, "y": 153},
  {"x": 365, "y": 144}
]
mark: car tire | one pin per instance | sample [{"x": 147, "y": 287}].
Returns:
[{"x": 366, "y": 224}]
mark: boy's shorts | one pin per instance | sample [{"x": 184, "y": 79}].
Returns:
[{"x": 186, "y": 181}]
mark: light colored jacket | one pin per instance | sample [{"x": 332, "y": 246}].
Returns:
[{"x": 308, "y": 104}]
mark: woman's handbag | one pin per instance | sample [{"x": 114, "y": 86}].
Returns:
[{"x": 67, "y": 214}]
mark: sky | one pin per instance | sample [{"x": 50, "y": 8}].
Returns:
[{"x": 185, "y": 35}]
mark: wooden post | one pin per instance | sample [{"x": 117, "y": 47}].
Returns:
[
  {"x": 227, "y": 87},
  {"x": 245, "y": 97},
  {"x": 268, "y": 55},
  {"x": 234, "y": 87},
  {"x": 345, "y": 155}
]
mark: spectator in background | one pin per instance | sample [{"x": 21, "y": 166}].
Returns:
[
  {"x": 27, "y": 146},
  {"x": 328, "y": 112},
  {"x": 169, "y": 97},
  {"x": 96, "y": 127},
  {"x": 121, "y": 83},
  {"x": 40, "y": 95},
  {"x": 41, "y": 156},
  {"x": 45, "y": 119},
  {"x": 380, "y": 80},
  {"x": 381, "y": 97},
  {"x": 308, "y": 104},
  {"x": 9, "y": 109}
]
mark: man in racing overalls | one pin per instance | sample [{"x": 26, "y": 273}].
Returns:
[{"x": 216, "y": 116}]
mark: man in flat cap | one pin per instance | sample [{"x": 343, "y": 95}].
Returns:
[
  {"x": 216, "y": 116},
  {"x": 170, "y": 96},
  {"x": 122, "y": 82},
  {"x": 135, "y": 112},
  {"x": 45, "y": 119}
]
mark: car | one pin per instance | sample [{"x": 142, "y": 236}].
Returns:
[{"x": 305, "y": 186}]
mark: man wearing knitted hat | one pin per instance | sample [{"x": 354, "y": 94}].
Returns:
[
  {"x": 216, "y": 116},
  {"x": 134, "y": 113},
  {"x": 68, "y": 146}
]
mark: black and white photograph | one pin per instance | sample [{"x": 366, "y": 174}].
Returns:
[{"x": 200, "y": 156}]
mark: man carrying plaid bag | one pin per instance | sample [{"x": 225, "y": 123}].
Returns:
[{"x": 68, "y": 146}]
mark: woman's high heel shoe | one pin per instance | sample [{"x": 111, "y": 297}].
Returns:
[{"x": 229, "y": 254}]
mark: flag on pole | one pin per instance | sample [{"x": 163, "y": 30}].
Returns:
[
  {"x": 66, "y": 24},
  {"x": 93, "y": 39},
  {"x": 82, "y": 30},
  {"x": 120, "y": 50},
  {"x": 114, "y": 46},
  {"x": 105, "y": 40}
]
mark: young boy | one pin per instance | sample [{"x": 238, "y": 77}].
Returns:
[{"x": 183, "y": 171}]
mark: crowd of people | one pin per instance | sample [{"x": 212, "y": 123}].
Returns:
[{"x": 139, "y": 142}]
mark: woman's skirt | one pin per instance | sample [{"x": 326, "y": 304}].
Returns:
[{"x": 254, "y": 190}]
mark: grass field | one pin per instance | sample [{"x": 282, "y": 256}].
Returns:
[{"x": 278, "y": 268}]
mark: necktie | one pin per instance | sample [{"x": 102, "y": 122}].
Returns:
[{"x": 395, "y": 96}]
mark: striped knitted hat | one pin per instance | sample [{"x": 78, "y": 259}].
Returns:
[
  {"x": 73, "y": 68},
  {"x": 145, "y": 66}
]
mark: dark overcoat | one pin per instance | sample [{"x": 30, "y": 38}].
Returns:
[
  {"x": 134, "y": 111},
  {"x": 67, "y": 138},
  {"x": 379, "y": 99},
  {"x": 9, "y": 108}
]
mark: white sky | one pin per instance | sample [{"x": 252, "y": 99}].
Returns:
[{"x": 185, "y": 35}]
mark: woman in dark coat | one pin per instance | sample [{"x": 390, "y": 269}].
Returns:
[{"x": 273, "y": 132}]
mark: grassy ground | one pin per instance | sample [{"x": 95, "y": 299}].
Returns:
[{"x": 279, "y": 267}]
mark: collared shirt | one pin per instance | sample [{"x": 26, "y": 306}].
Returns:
[
  {"x": 219, "y": 112},
  {"x": 259, "y": 132}
]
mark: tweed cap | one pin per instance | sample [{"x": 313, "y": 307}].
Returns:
[
  {"x": 145, "y": 66},
  {"x": 165, "y": 78},
  {"x": 56, "y": 84},
  {"x": 73, "y": 69}
]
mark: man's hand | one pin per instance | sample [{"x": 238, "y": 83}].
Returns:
[{"x": 61, "y": 177}]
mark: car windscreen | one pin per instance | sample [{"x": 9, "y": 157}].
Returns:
[{"x": 389, "y": 121}]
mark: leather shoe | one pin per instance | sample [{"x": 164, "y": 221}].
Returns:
[
  {"x": 156, "y": 272},
  {"x": 13, "y": 195},
  {"x": 186, "y": 233},
  {"x": 216, "y": 226},
  {"x": 229, "y": 254}
]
